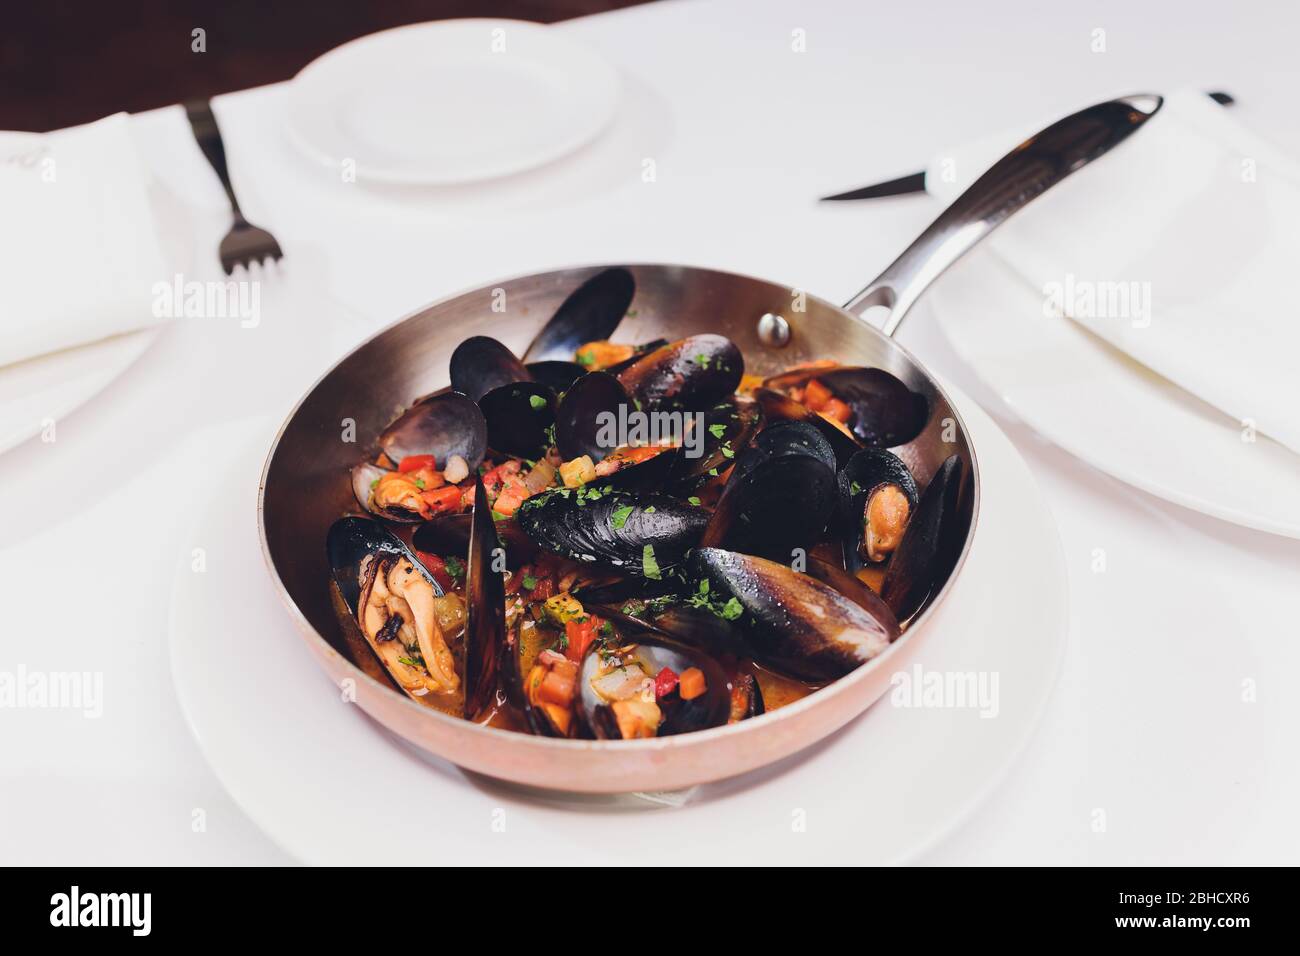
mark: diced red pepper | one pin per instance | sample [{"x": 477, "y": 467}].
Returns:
[
  {"x": 665, "y": 682},
  {"x": 581, "y": 633},
  {"x": 438, "y": 568},
  {"x": 545, "y": 588},
  {"x": 416, "y": 462},
  {"x": 445, "y": 500}
]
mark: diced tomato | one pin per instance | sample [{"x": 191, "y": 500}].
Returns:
[
  {"x": 416, "y": 462},
  {"x": 438, "y": 568},
  {"x": 665, "y": 682},
  {"x": 838, "y": 410},
  {"x": 581, "y": 633},
  {"x": 495, "y": 478},
  {"x": 545, "y": 588},
  {"x": 445, "y": 500},
  {"x": 816, "y": 395}
]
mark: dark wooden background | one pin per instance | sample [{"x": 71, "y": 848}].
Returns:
[{"x": 63, "y": 63}]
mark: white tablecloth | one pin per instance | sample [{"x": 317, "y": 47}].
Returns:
[{"x": 1152, "y": 729}]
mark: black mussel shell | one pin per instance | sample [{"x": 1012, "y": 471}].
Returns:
[
  {"x": 441, "y": 425},
  {"x": 710, "y": 709},
  {"x": 863, "y": 476},
  {"x": 623, "y": 591},
  {"x": 684, "y": 623},
  {"x": 781, "y": 494},
  {"x": 727, "y": 429},
  {"x": 448, "y": 534},
  {"x": 555, "y": 374},
  {"x": 481, "y": 364},
  {"x": 793, "y": 622},
  {"x": 779, "y": 407},
  {"x": 522, "y": 650},
  {"x": 644, "y": 535},
  {"x": 485, "y": 600},
  {"x": 519, "y": 419},
  {"x": 353, "y": 538},
  {"x": 850, "y": 585},
  {"x": 591, "y": 312},
  {"x": 886, "y": 413},
  {"x": 930, "y": 546},
  {"x": 691, "y": 374},
  {"x": 582, "y": 417}
]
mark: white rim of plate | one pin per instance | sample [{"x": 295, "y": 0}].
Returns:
[{"x": 600, "y": 78}]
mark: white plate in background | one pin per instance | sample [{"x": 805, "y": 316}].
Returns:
[
  {"x": 1107, "y": 409},
  {"x": 451, "y": 101},
  {"x": 331, "y": 786}
]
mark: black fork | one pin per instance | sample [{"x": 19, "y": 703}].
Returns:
[{"x": 245, "y": 244}]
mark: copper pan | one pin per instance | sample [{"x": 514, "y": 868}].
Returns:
[{"x": 305, "y": 484}]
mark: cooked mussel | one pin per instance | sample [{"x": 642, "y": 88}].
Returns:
[
  {"x": 639, "y": 684},
  {"x": 643, "y": 535},
  {"x": 877, "y": 497},
  {"x": 690, "y": 374},
  {"x": 793, "y": 622},
  {"x": 930, "y": 545},
  {"x": 402, "y": 613},
  {"x": 781, "y": 494},
  {"x": 449, "y": 534},
  {"x": 592, "y": 311}
]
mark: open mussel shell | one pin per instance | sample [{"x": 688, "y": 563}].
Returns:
[
  {"x": 519, "y": 418},
  {"x": 690, "y": 374},
  {"x": 652, "y": 652},
  {"x": 441, "y": 425},
  {"x": 886, "y": 413},
  {"x": 584, "y": 415},
  {"x": 793, "y": 622},
  {"x": 485, "y": 599},
  {"x": 638, "y": 350},
  {"x": 867, "y": 475},
  {"x": 481, "y": 364},
  {"x": 591, "y": 312},
  {"x": 851, "y": 586},
  {"x": 781, "y": 494},
  {"x": 352, "y": 539},
  {"x": 930, "y": 546},
  {"x": 779, "y": 407},
  {"x": 643, "y": 535}
]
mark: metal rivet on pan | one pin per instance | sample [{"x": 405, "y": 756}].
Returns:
[{"x": 773, "y": 330}]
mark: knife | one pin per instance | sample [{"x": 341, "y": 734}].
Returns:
[{"x": 915, "y": 182}]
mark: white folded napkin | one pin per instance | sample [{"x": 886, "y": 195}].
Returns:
[
  {"x": 1178, "y": 247},
  {"x": 79, "y": 256}
]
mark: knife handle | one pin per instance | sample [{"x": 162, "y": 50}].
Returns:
[{"x": 1020, "y": 177}]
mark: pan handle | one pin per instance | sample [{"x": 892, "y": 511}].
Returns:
[{"x": 1021, "y": 176}]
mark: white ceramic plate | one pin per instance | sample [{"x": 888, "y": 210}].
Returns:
[
  {"x": 48, "y": 387},
  {"x": 451, "y": 101},
  {"x": 1105, "y": 408},
  {"x": 331, "y": 786}
]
